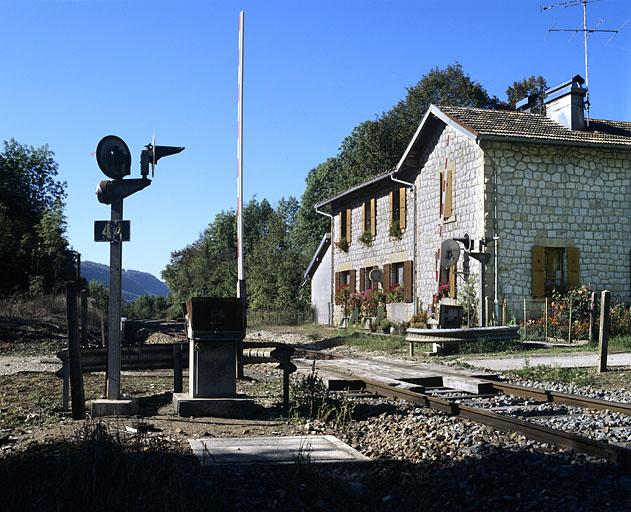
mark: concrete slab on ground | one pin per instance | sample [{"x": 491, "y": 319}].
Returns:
[
  {"x": 273, "y": 450},
  {"x": 396, "y": 373},
  {"x": 582, "y": 360}
]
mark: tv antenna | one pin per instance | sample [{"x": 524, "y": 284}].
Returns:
[{"x": 586, "y": 32}]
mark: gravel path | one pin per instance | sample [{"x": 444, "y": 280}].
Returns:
[
  {"x": 563, "y": 360},
  {"x": 10, "y": 365}
]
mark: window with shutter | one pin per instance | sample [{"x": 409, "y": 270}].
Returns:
[
  {"x": 373, "y": 217},
  {"x": 449, "y": 190},
  {"x": 362, "y": 279}
]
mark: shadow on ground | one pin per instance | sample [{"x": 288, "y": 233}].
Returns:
[{"x": 101, "y": 471}]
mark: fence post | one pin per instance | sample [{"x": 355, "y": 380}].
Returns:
[
  {"x": 603, "y": 334},
  {"x": 74, "y": 354},
  {"x": 545, "y": 316},
  {"x": 593, "y": 324},
  {"x": 504, "y": 311},
  {"x": 524, "y": 315},
  {"x": 84, "y": 318},
  {"x": 569, "y": 326}
]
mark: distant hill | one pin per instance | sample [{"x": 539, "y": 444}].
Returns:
[{"x": 135, "y": 283}]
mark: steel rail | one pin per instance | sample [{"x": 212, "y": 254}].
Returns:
[
  {"x": 548, "y": 395},
  {"x": 616, "y": 454}
]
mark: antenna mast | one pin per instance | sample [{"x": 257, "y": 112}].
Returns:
[
  {"x": 241, "y": 289},
  {"x": 586, "y": 31}
]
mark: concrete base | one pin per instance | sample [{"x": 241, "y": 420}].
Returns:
[
  {"x": 104, "y": 407},
  {"x": 224, "y": 407}
]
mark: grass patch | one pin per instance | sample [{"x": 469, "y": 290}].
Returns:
[
  {"x": 578, "y": 376},
  {"x": 486, "y": 346},
  {"x": 390, "y": 344}
]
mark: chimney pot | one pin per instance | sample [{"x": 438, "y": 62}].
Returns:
[{"x": 565, "y": 103}]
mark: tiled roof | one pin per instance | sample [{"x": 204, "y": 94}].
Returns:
[
  {"x": 370, "y": 181},
  {"x": 523, "y": 125}
]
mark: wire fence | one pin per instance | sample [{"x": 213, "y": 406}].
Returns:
[
  {"x": 280, "y": 317},
  {"x": 563, "y": 320}
]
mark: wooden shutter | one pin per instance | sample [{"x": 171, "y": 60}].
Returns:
[
  {"x": 373, "y": 217},
  {"x": 573, "y": 274},
  {"x": 337, "y": 285},
  {"x": 351, "y": 280},
  {"x": 349, "y": 219},
  {"x": 408, "y": 291},
  {"x": 538, "y": 271},
  {"x": 449, "y": 190},
  {"x": 386, "y": 277},
  {"x": 452, "y": 282},
  {"x": 402, "y": 207},
  {"x": 391, "y": 207},
  {"x": 362, "y": 279}
]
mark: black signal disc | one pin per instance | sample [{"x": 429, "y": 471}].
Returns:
[{"x": 113, "y": 157}]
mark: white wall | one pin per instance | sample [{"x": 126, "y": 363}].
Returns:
[{"x": 321, "y": 290}]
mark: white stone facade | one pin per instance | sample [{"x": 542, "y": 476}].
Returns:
[
  {"x": 560, "y": 196},
  {"x": 526, "y": 193},
  {"x": 384, "y": 248}
]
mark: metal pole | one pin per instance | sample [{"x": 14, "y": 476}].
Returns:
[
  {"x": 569, "y": 326},
  {"x": 525, "y": 315},
  {"x": 483, "y": 301},
  {"x": 545, "y": 316},
  {"x": 241, "y": 289},
  {"x": 586, "y": 64},
  {"x": 84, "y": 317},
  {"x": 603, "y": 334},
  {"x": 113, "y": 390}
]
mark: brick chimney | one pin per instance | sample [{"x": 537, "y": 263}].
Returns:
[{"x": 565, "y": 103}]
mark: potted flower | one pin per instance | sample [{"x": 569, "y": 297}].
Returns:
[
  {"x": 395, "y": 230},
  {"x": 386, "y": 325},
  {"x": 366, "y": 238},
  {"x": 342, "y": 244}
]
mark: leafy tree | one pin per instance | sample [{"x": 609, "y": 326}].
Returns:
[
  {"x": 101, "y": 295},
  {"x": 146, "y": 307},
  {"x": 32, "y": 225},
  {"x": 524, "y": 88}
]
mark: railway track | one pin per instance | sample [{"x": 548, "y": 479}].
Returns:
[{"x": 533, "y": 412}]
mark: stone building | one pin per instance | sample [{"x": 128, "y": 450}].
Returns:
[{"x": 545, "y": 195}]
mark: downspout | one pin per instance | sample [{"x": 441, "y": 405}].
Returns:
[
  {"x": 496, "y": 238},
  {"x": 413, "y": 187},
  {"x": 332, "y": 264}
]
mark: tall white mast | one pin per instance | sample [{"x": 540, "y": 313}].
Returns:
[{"x": 241, "y": 289}]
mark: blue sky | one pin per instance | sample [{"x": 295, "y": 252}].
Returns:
[{"x": 74, "y": 71}]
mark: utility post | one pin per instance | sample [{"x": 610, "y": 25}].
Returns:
[{"x": 114, "y": 159}]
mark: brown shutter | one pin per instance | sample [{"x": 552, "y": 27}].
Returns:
[
  {"x": 349, "y": 219},
  {"x": 402, "y": 207},
  {"x": 449, "y": 191},
  {"x": 373, "y": 217},
  {"x": 573, "y": 274},
  {"x": 337, "y": 286},
  {"x": 452, "y": 282},
  {"x": 362, "y": 279},
  {"x": 538, "y": 271},
  {"x": 408, "y": 292},
  {"x": 386, "y": 277},
  {"x": 351, "y": 281}
]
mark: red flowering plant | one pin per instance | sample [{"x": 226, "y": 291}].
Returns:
[
  {"x": 355, "y": 302},
  {"x": 395, "y": 294},
  {"x": 443, "y": 290},
  {"x": 371, "y": 301},
  {"x": 343, "y": 297}
]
